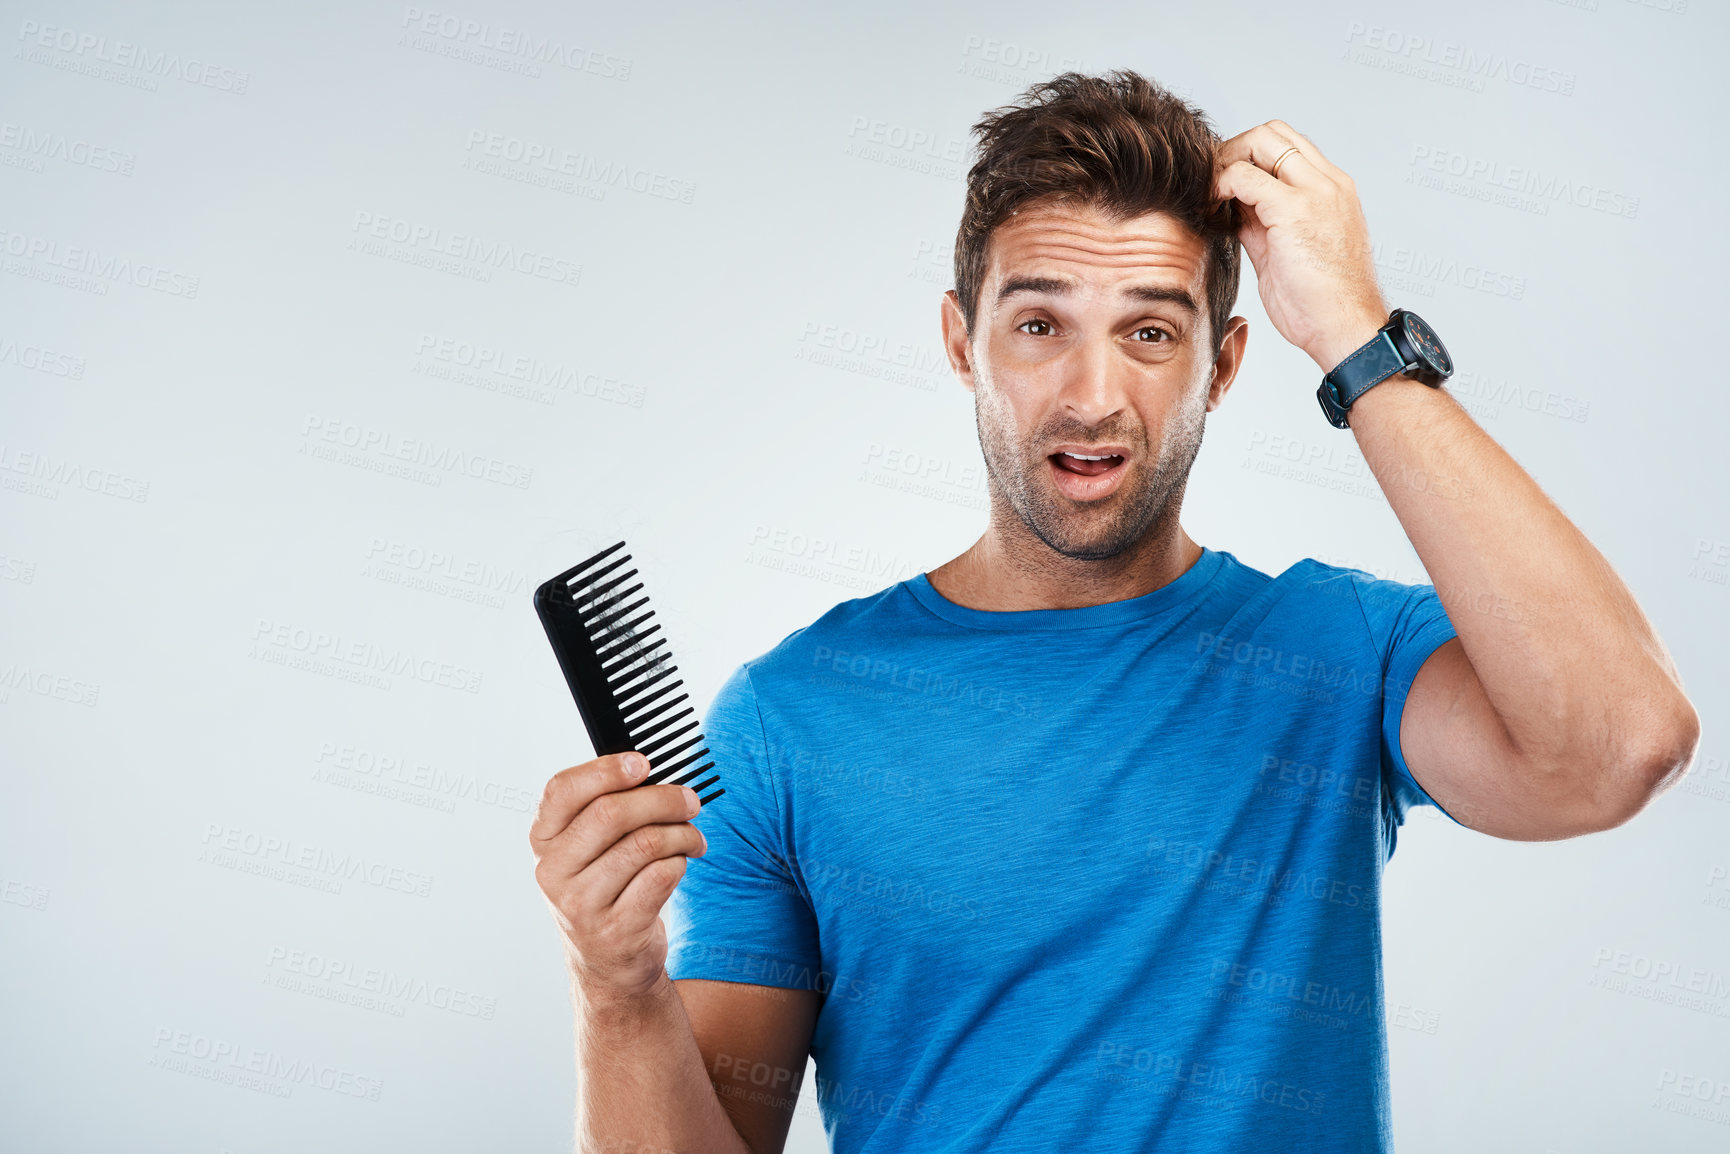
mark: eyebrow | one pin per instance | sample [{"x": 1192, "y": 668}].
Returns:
[{"x": 1059, "y": 286}]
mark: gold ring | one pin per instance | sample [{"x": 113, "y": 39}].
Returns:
[{"x": 1280, "y": 159}]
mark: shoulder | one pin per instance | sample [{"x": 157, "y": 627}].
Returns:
[
  {"x": 1308, "y": 583},
  {"x": 1318, "y": 598},
  {"x": 851, "y": 627},
  {"x": 770, "y": 698},
  {"x": 1396, "y": 616},
  {"x": 1311, "y": 577},
  {"x": 1305, "y": 575}
]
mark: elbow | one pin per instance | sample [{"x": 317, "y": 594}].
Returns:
[
  {"x": 1667, "y": 759},
  {"x": 1650, "y": 767}
]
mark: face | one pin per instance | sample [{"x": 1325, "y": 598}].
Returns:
[{"x": 1091, "y": 341}]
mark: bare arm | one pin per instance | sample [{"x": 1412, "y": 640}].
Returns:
[
  {"x": 1557, "y": 710},
  {"x": 692, "y": 1066},
  {"x": 607, "y": 858},
  {"x": 641, "y": 1081},
  {"x": 754, "y": 1041}
]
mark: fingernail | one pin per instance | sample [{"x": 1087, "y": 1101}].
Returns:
[
  {"x": 639, "y": 765},
  {"x": 690, "y": 799},
  {"x": 705, "y": 841}
]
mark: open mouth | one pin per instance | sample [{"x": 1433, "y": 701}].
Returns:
[{"x": 1086, "y": 465}]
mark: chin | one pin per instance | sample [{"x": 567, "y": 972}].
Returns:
[{"x": 1081, "y": 536}]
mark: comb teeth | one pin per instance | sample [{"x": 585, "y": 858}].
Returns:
[{"x": 619, "y": 673}]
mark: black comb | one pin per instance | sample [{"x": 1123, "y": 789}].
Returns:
[{"x": 618, "y": 675}]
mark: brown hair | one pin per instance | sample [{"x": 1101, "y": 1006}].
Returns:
[{"x": 1118, "y": 142}]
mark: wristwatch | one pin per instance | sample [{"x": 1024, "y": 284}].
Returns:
[{"x": 1404, "y": 345}]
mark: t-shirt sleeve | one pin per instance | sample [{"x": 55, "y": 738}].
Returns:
[
  {"x": 737, "y": 914},
  {"x": 1407, "y": 624}
]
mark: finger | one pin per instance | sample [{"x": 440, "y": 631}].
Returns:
[
  {"x": 614, "y": 871},
  {"x": 1307, "y": 150},
  {"x": 641, "y": 901},
  {"x": 1236, "y": 148},
  {"x": 1249, "y": 184},
  {"x": 606, "y": 821},
  {"x": 1260, "y": 146},
  {"x": 1263, "y": 146},
  {"x": 569, "y": 791}
]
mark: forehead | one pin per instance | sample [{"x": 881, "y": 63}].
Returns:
[{"x": 1080, "y": 243}]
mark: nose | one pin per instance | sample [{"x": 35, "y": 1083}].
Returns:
[{"x": 1094, "y": 381}]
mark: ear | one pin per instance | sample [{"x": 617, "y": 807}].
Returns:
[
  {"x": 955, "y": 341},
  {"x": 1230, "y": 359}
]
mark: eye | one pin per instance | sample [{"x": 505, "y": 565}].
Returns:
[
  {"x": 1156, "y": 329},
  {"x": 1034, "y": 321}
]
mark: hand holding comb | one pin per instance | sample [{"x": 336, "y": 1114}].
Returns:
[{"x": 618, "y": 675}]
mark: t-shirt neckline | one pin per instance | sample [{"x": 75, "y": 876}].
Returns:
[{"x": 1168, "y": 596}]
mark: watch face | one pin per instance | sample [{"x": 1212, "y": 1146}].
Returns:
[{"x": 1427, "y": 345}]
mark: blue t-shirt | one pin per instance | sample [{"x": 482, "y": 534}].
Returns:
[{"x": 1105, "y": 878}]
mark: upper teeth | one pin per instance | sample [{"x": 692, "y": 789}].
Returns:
[{"x": 1085, "y": 457}]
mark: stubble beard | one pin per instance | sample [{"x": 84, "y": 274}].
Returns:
[{"x": 1020, "y": 474}]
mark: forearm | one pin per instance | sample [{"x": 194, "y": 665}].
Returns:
[
  {"x": 1574, "y": 670},
  {"x": 642, "y": 1087}
]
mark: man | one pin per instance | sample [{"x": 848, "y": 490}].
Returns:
[{"x": 1075, "y": 841}]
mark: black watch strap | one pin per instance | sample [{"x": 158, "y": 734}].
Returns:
[{"x": 1372, "y": 364}]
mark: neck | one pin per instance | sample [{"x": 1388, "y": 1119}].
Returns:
[{"x": 1013, "y": 571}]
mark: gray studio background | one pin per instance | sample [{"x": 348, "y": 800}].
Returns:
[{"x": 328, "y": 331}]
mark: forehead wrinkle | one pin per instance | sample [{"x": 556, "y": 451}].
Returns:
[
  {"x": 1089, "y": 247},
  {"x": 1100, "y": 235},
  {"x": 1157, "y": 257},
  {"x": 1130, "y": 265},
  {"x": 1159, "y": 229}
]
